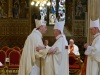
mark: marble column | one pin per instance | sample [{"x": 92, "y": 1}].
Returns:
[
  {"x": 10, "y": 7},
  {"x": 93, "y": 14}
]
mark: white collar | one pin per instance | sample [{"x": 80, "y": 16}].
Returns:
[
  {"x": 96, "y": 35},
  {"x": 59, "y": 36}
]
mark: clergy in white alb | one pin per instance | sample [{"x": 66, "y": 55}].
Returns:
[
  {"x": 46, "y": 42},
  {"x": 93, "y": 51},
  {"x": 30, "y": 59},
  {"x": 57, "y": 63}
]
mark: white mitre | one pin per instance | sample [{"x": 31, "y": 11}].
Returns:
[
  {"x": 94, "y": 23},
  {"x": 59, "y": 25},
  {"x": 40, "y": 23}
]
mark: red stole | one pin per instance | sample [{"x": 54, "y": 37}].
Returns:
[{"x": 71, "y": 49}]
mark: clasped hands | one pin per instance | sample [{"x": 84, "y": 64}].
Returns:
[
  {"x": 50, "y": 51},
  {"x": 86, "y": 45},
  {"x": 38, "y": 48}
]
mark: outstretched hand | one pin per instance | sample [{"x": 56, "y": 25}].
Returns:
[
  {"x": 38, "y": 48},
  {"x": 52, "y": 51},
  {"x": 86, "y": 45}
]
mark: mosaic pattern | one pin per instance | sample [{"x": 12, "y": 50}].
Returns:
[
  {"x": 61, "y": 10},
  {"x": 52, "y": 12},
  {"x": 43, "y": 13}
]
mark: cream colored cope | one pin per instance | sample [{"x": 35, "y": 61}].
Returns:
[{"x": 30, "y": 59}]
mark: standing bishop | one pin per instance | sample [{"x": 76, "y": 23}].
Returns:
[
  {"x": 57, "y": 63},
  {"x": 93, "y": 51},
  {"x": 30, "y": 59}
]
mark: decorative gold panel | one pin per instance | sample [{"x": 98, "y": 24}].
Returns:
[
  {"x": 14, "y": 27},
  {"x": 13, "y": 32},
  {"x": 79, "y": 27}
]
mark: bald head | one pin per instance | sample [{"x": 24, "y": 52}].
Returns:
[
  {"x": 71, "y": 41},
  {"x": 46, "y": 42}
]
